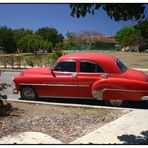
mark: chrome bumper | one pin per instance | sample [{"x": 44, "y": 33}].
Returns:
[
  {"x": 144, "y": 98},
  {"x": 15, "y": 91}
]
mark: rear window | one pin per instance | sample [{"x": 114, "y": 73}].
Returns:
[{"x": 121, "y": 66}]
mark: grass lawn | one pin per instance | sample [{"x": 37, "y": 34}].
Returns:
[
  {"x": 133, "y": 59},
  {"x": 130, "y": 59}
]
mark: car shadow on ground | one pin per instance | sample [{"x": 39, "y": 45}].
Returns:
[
  {"x": 133, "y": 139},
  {"x": 132, "y": 105}
]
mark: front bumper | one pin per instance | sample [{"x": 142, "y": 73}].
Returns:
[{"x": 15, "y": 91}]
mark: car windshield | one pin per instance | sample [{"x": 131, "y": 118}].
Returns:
[
  {"x": 54, "y": 65},
  {"x": 121, "y": 66}
]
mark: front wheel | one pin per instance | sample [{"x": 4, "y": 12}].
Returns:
[
  {"x": 28, "y": 93},
  {"x": 116, "y": 103}
]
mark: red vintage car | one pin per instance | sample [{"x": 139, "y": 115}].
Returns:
[{"x": 84, "y": 75}]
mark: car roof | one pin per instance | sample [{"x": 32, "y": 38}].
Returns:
[
  {"x": 104, "y": 60},
  {"x": 87, "y": 56}
]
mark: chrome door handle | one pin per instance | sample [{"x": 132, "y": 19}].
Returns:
[{"x": 74, "y": 75}]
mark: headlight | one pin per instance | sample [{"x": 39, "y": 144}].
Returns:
[{"x": 13, "y": 85}]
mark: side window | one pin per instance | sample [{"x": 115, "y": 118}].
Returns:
[
  {"x": 90, "y": 67},
  {"x": 66, "y": 66}
]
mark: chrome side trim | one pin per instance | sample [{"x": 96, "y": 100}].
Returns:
[
  {"x": 71, "y": 85},
  {"x": 38, "y": 84},
  {"x": 144, "y": 98},
  {"x": 87, "y": 85},
  {"x": 52, "y": 84},
  {"x": 126, "y": 90}
]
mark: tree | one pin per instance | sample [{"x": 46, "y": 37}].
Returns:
[
  {"x": 71, "y": 42},
  {"x": 136, "y": 35},
  {"x": 45, "y": 45},
  {"x": 71, "y": 35},
  {"x": 30, "y": 43},
  {"x": 21, "y": 32},
  {"x": 116, "y": 11},
  {"x": 128, "y": 36},
  {"x": 7, "y": 42},
  {"x": 50, "y": 34},
  {"x": 143, "y": 28}
]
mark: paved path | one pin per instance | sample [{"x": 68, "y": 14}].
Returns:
[
  {"x": 29, "y": 138},
  {"x": 131, "y": 128}
]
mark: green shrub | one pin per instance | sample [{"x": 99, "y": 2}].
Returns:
[
  {"x": 47, "y": 60},
  {"x": 3, "y": 60},
  {"x": 19, "y": 60},
  {"x": 5, "y": 107},
  {"x": 38, "y": 60},
  {"x": 11, "y": 60},
  {"x": 29, "y": 60},
  {"x": 53, "y": 58}
]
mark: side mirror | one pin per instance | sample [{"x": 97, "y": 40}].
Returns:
[{"x": 52, "y": 72}]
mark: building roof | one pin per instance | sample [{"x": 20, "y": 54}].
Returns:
[{"x": 107, "y": 39}]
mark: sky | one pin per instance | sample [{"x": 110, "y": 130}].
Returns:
[{"x": 34, "y": 16}]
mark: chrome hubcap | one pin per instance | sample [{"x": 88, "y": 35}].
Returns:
[
  {"x": 28, "y": 93},
  {"x": 116, "y": 102}
]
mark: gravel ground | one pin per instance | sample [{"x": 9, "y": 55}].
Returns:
[{"x": 63, "y": 123}]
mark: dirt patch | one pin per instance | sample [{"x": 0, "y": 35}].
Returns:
[{"x": 63, "y": 123}]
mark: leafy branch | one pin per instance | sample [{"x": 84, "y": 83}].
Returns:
[{"x": 5, "y": 107}]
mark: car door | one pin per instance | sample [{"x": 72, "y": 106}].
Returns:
[
  {"x": 64, "y": 83},
  {"x": 89, "y": 72}
]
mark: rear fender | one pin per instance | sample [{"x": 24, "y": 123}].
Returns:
[{"x": 119, "y": 88}]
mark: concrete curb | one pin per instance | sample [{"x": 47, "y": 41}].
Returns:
[{"x": 68, "y": 105}]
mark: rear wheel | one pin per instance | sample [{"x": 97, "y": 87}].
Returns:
[
  {"x": 28, "y": 93},
  {"x": 116, "y": 103}
]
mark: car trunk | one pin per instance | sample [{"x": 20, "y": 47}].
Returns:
[{"x": 136, "y": 75}]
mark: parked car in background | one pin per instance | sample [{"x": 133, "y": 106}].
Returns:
[{"x": 84, "y": 75}]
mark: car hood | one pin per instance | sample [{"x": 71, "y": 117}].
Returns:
[
  {"x": 135, "y": 75},
  {"x": 40, "y": 71}
]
